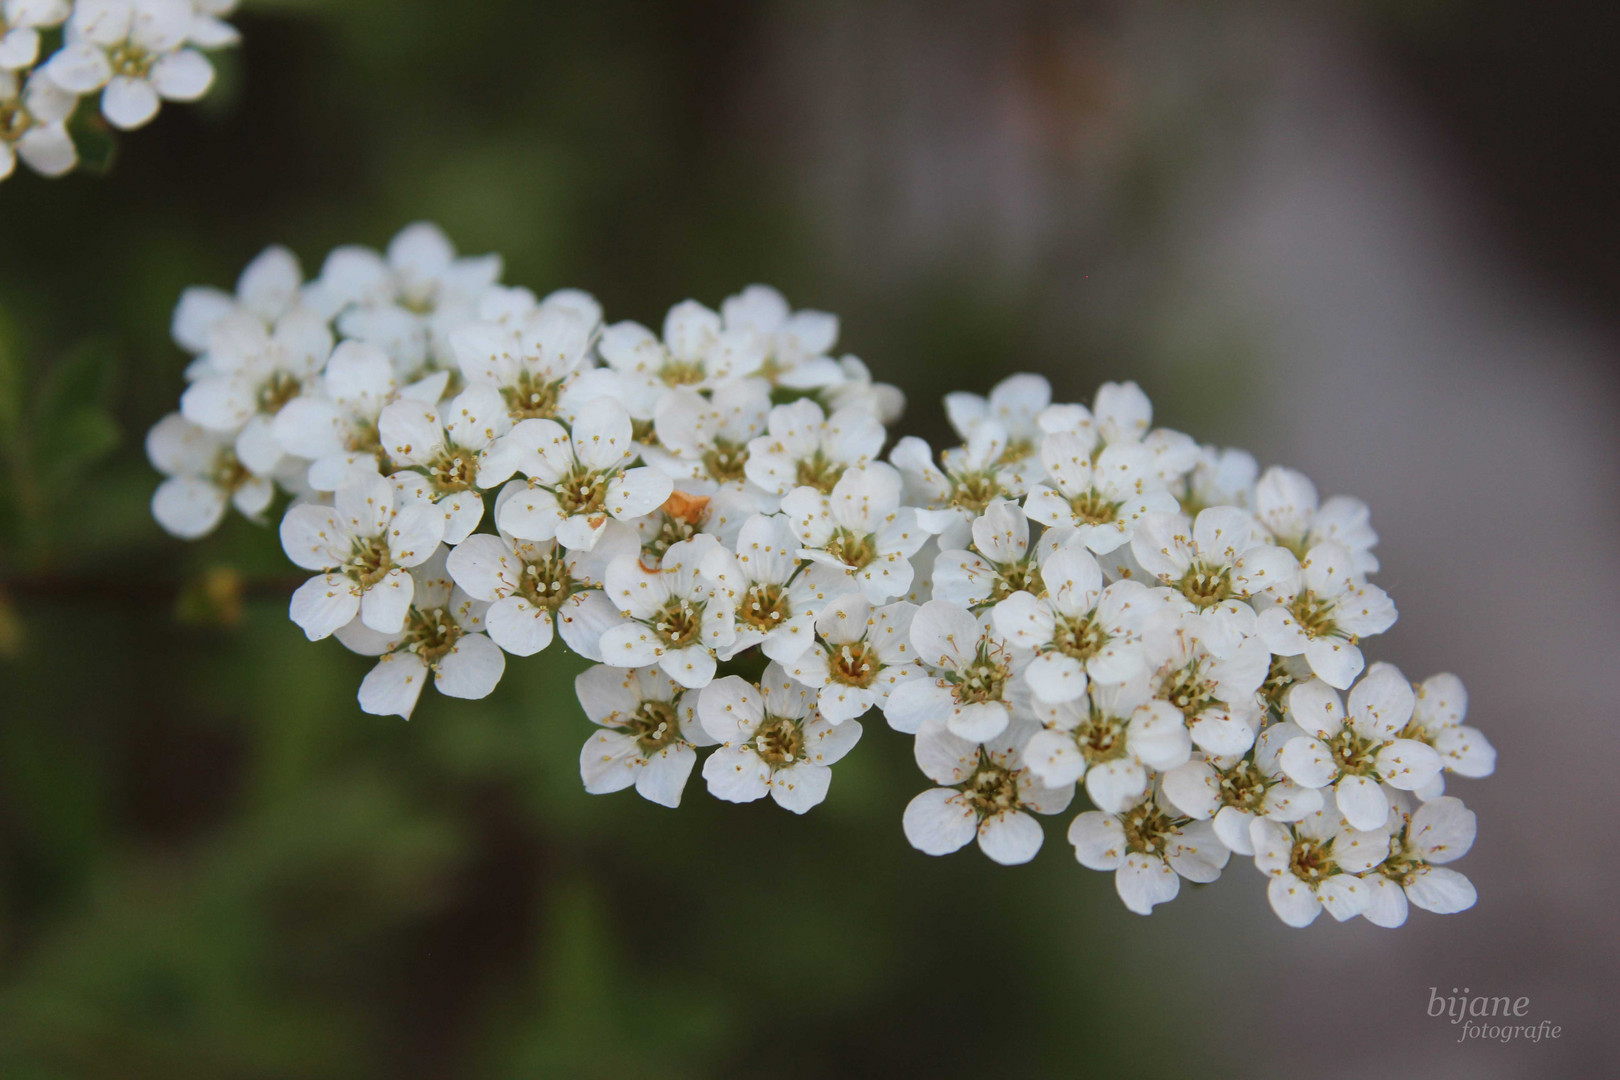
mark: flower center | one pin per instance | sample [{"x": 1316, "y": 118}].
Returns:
[
  {"x": 681, "y": 372},
  {"x": 726, "y": 461},
  {"x": 1243, "y": 786},
  {"x": 680, "y": 623},
  {"x": 1206, "y": 585},
  {"x": 228, "y": 472},
  {"x": 1017, "y": 450},
  {"x": 854, "y": 550},
  {"x": 1101, "y": 737},
  {"x": 1189, "y": 690},
  {"x": 130, "y": 60},
  {"x": 983, "y": 679},
  {"x": 1148, "y": 829},
  {"x": 655, "y": 725},
  {"x": 818, "y": 472},
  {"x": 370, "y": 562},
  {"x": 1023, "y": 576},
  {"x": 854, "y": 665},
  {"x": 453, "y": 470},
  {"x": 973, "y": 491},
  {"x": 779, "y": 741},
  {"x": 992, "y": 789},
  {"x": 1312, "y": 861},
  {"x": 1080, "y": 637},
  {"x": 764, "y": 607},
  {"x": 582, "y": 492},
  {"x": 1092, "y": 508},
  {"x": 14, "y": 119},
  {"x": 547, "y": 582},
  {"x": 1313, "y": 614},
  {"x": 277, "y": 391},
  {"x": 1401, "y": 866},
  {"x": 1354, "y": 754},
  {"x": 431, "y": 634},
  {"x": 531, "y": 397}
]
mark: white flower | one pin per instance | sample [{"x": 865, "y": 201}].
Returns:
[
  {"x": 999, "y": 562},
  {"x": 776, "y": 603},
  {"x": 268, "y": 288},
  {"x": 1076, "y": 627},
  {"x": 20, "y": 24},
  {"x": 409, "y": 302},
  {"x": 857, "y": 390},
  {"x": 649, "y": 728},
  {"x": 971, "y": 670},
  {"x": 204, "y": 476},
  {"x": 249, "y": 373},
  {"x": 684, "y": 515},
  {"x": 1287, "y": 505},
  {"x": 860, "y": 534},
  {"x": 968, "y": 479},
  {"x": 1212, "y": 567},
  {"x": 1437, "y": 719},
  {"x": 534, "y": 588},
  {"x": 534, "y": 360},
  {"x": 1234, "y": 790},
  {"x": 32, "y": 125},
  {"x": 209, "y": 30},
  {"x": 1358, "y": 753},
  {"x": 1324, "y": 612},
  {"x": 988, "y": 793},
  {"x": 1441, "y": 830},
  {"x": 1015, "y": 403},
  {"x": 678, "y": 619},
  {"x": 577, "y": 479},
  {"x": 441, "y": 634},
  {"x": 796, "y": 342},
  {"x": 703, "y": 442},
  {"x": 1111, "y": 737},
  {"x": 1150, "y": 848},
  {"x": 771, "y": 740},
  {"x": 439, "y": 457},
  {"x": 1121, "y": 415},
  {"x": 135, "y": 49},
  {"x": 1220, "y": 478},
  {"x": 1314, "y": 863},
  {"x": 697, "y": 351},
  {"x": 859, "y": 655},
  {"x": 1217, "y": 694},
  {"x": 1104, "y": 499},
  {"x": 804, "y": 447},
  {"x": 334, "y": 423},
  {"x": 364, "y": 545}
]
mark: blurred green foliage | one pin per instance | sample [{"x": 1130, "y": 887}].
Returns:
[{"x": 212, "y": 865}]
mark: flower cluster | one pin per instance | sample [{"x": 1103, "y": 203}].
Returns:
[
  {"x": 1070, "y": 598},
  {"x": 131, "y": 54}
]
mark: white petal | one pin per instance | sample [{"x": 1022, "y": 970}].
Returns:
[
  {"x": 392, "y": 687},
  {"x": 1361, "y": 801},
  {"x": 800, "y": 787},
  {"x": 471, "y": 669},
  {"x": 1441, "y": 890},
  {"x": 1098, "y": 839},
  {"x": 323, "y": 604},
  {"x": 1010, "y": 837},
  {"x": 664, "y": 776},
  {"x": 182, "y": 76},
  {"x": 1142, "y": 882},
  {"x": 1293, "y": 900},
  {"x": 129, "y": 103},
  {"x": 939, "y": 821},
  {"x": 189, "y": 507},
  {"x": 736, "y": 774}
]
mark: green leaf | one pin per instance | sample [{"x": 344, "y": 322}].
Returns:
[{"x": 73, "y": 426}]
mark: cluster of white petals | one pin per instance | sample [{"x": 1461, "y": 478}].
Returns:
[
  {"x": 129, "y": 55},
  {"x": 1070, "y": 598}
]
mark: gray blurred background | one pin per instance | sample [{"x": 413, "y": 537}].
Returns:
[{"x": 1376, "y": 242}]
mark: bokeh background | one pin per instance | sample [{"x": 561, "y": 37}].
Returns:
[{"x": 1374, "y": 241}]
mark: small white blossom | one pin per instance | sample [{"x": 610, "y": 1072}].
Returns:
[
  {"x": 20, "y": 24},
  {"x": 703, "y": 443},
  {"x": 33, "y": 115},
  {"x": 804, "y": 447},
  {"x": 971, "y": 672},
  {"x": 1287, "y": 505},
  {"x": 676, "y": 618},
  {"x": 442, "y": 635},
  {"x": 860, "y": 534},
  {"x": 649, "y": 729},
  {"x": 775, "y": 600},
  {"x": 772, "y": 741},
  {"x": 1358, "y": 753},
  {"x": 439, "y": 455},
  {"x": 1313, "y": 864},
  {"x": 1324, "y": 613},
  {"x": 796, "y": 342},
  {"x": 998, "y": 563},
  {"x": 968, "y": 479},
  {"x": 1234, "y": 790},
  {"x": 203, "y": 477},
  {"x": 364, "y": 546},
  {"x": 697, "y": 351},
  {"x": 1150, "y": 848},
  {"x": 1121, "y": 415},
  {"x": 534, "y": 360},
  {"x": 1110, "y": 737},
  {"x": 135, "y": 49},
  {"x": 577, "y": 479},
  {"x": 1440, "y": 831},
  {"x": 1216, "y": 694},
  {"x": 859, "y": 655},
  {"x": 1437, "y": 719},
  {"x": 987, "y": 793},
  {"x": 1104, "y": 498},
  {"x": 1015, "y": 403}
]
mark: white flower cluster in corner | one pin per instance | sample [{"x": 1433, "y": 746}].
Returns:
[
  {"x": 132, "y": 54},
  {"x": 1069, "y": 598}
]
